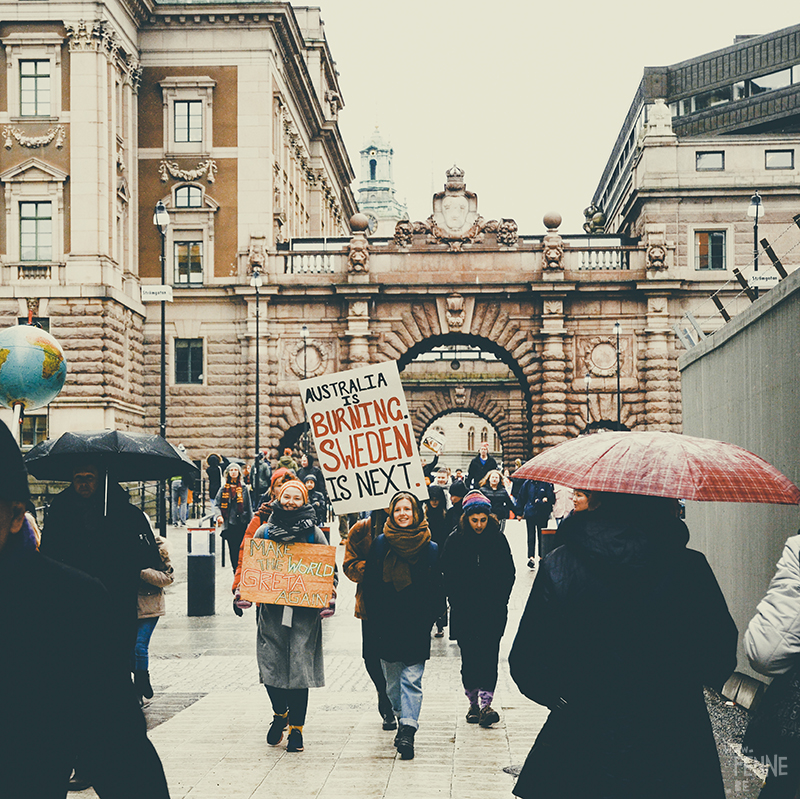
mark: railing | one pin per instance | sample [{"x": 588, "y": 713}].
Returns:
[
  {"x": 312, "y": 263},
  {"x": 613, "y": 259}
]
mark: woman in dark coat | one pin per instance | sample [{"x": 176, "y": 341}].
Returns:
[
  {"x": 494, "y": 490},
  {"x": 436, "y": 513},
  {"x": 403, "y": 596},
  {"x": 623, "y": 628},
  {"x": 479, "y": 574}
]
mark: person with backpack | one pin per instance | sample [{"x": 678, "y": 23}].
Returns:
[
  {"x": 403, "y": 597},
  {"x": 289, "y": 640}
]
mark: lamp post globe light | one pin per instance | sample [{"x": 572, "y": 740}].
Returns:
[
  {"x": 617, "y": 328},
  {"x": 755, "y": 211},
  {"x": 256, "y": 282},
  {"x": 161, "y": 221},
  {"x": 304, "y": 334}
]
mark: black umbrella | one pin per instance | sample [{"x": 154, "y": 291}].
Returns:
[{"x": 125, "y": 457}]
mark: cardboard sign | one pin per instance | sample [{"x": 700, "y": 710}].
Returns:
[
  {"x": 434, "y": 442},
  {"x": 364, "y": 438},
  {"x": 299, "y": 575}
]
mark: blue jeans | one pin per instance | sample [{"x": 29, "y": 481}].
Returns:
[
  {"x": 180, "y": 491},
  {"x": 141, "y": 658},
  {"x": 404, "y": 687}
]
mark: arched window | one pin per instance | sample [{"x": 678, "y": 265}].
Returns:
[
  {"x": 188, "y": 197},
  {"x": 471, "y": 438},
  {"x": 485, "y": 435},
  {"x": 495, "y": 443},
  {"x": 373, "y": 169}
]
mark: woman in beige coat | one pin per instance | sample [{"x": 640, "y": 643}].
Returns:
[{"x": 151, "y": 607}]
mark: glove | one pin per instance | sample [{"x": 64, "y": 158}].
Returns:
[
  {"x": 326, "y": 613},
  {"x": 240, "y": 604}
]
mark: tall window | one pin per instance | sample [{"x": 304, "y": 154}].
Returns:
[
  {"x": 188, "y": 197},
  {"x": 485, "y": 435},
  {"x": 495, "y": 442},
  {"x": 188, "y": 263},
  {"x": 35, "y": 231},
  {"x": 189, "y": 360},
  {"x": 188, "y": 121},
  {"x": 709, "y": 249},
  {"x": 373, "y": 169},
  {"x": 34, "y": 88},
  {"x": 471, "y": 438}
]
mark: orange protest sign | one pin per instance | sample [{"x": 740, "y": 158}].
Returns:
[{"x": 300, "y": 575}]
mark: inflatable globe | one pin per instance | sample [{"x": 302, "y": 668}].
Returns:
[{"x": 32, "y": 367}]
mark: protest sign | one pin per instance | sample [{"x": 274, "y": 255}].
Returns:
[
  {"x": 300, "y": 575},
  {"x": 433, "y": 441},
  {"x": 364, "y": 438}
]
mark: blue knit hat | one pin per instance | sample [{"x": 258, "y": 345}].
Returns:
[{"x": 475, "y": 502}]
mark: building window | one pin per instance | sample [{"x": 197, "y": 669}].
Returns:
[
  {"x": 713, "y": 161},
  {"x": 471, "y": 439},
  {"x": 709, "y": 249},
  {"x": 779, "y": 159},
  {"x": 34, "y": 430},
  {"x": 373, "y": 169},
  {"x": 485, "y": 435},
  {"x": 188, "y": 197},
  {"x": 188, "y": 121},
  {"x": 188, "y": 263},
  {"x": 34, "y": 88},
  {"x": 35, "y": 231},
  {"x": 495, "y": 443},
  {"x": 189, "y": 360}
]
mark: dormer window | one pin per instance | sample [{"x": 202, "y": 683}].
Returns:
[{"x": 188, "y": 197}]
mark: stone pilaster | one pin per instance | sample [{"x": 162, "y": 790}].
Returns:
[
  {"x": 658, "y": 386},
  {"x": 554, "y": 374}
]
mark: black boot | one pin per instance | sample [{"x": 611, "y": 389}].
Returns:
[
  {"x": 405, "y": 742},
  {"x": 141, "y": 681}
]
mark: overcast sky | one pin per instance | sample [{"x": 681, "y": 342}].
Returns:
[{"x": 526, "y": 97}]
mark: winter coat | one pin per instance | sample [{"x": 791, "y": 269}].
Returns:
[
  {"x": 502, "y": 503},
  {"x": 356, "y": 548},
  {"x": 304, "y": 471},
  {"x": 436, "y": 516},
  {"x": 65, "y": 694},
  {"x": 772, "y": 639},
  {"x": 317, "y": 500},
  {"x": 214, "y": 474},
  {"x": 287, "y": 462},
  {"x": 290, "y": 657},
  {"x": 403, "y": 619},
  {"x": 152, "y": 584},
  {"x": 535, "y": 501},
  {"x": 452, "y": 517},
  {"x": 236, "y": 520},
  {"x": 112, "y": 542},
  {"x": 477, "y": 470},
  {"x": 623, "y": 627},
  {"x": 478, "y": 577}
]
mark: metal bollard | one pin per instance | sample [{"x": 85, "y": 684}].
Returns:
[{"x": 200, "y": 571}]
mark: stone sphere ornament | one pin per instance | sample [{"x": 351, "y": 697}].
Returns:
[
  {"x": 552, "y": 220},
  {"x": 359, "y": 223},
  {"x": 32, "y": 367}
]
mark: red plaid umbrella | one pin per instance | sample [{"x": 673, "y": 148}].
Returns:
[{"x": 662, "y": 465}]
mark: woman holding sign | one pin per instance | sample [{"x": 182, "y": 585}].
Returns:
[
  {"x": 403, "y": 597},
  {"x": 289, "y": 641}
]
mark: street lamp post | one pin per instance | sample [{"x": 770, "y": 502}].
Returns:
[
  {"x": 619, "y": 394},
  {"x": 588, "y": 380},
  {"x": 754, "y": 211},
  {"x": 304, "y": 334},
  {"x": 161, "y": 221},
  {"x": 256, "y": 283}
]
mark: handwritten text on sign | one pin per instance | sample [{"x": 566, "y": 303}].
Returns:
[
  {"x": 364, "y": 437},
  {"x": 300, "y": 575}
]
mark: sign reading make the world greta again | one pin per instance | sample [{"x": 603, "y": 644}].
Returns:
[{"x": 363, "y": 435}]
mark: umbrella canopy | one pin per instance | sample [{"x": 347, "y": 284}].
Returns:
[
  {"x": 126, "y": 457},
  {"x": 662, "y": 465}
]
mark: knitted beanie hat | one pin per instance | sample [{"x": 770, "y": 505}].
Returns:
[
  {"x": 476, "y": 502},
  {"x": 294, "y": 483},
  {"x": 457, "y": 489}
]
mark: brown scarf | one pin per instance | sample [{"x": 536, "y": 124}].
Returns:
[
  {"x": 226, "y": 498},
  {"x": 406, "y": 544}
]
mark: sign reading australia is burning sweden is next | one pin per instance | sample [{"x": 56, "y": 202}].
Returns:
[{"x": 364, "y": 438}]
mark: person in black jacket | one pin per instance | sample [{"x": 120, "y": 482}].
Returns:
[
  {"x": 64, "y": 694},
  {"x": 623, "y": 627},
  {"x": 535, "y": 501},
  {"x": 482, "y": 463},
  {"x": 478, "y": 574},
  {"x": 436, "y": 514},
  {"x": 403, "y": 596},
  {"x": 493, "y": 487}
]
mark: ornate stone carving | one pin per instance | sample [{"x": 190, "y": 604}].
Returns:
[
  {"x": 551, "y": 307},
  {"x": 57, "y": 134},
  {"x": 657, "y": 257},
  {"x": 659, "y": 119},
  {"x": 257, "y": 251},
  {"x": 84, "y": 36},
  {"x": 455, "y": 312},
  {"x": 460, "y": 396},
  {"x": 360, "y": 308},
  {"x": 309, "y": 358},
  {"x": 33, "y": 306},
  {"x": 600, "y": 356},
  {"x": 455, "y": 220},
  {"x": 207, "y": 167},
  {"x": 358, "y": 248},
  {"x": 595, "y": 220},
  {"x": 334, "y": 102}
]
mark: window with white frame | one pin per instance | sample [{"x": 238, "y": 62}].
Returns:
[
  {"x": 779, "y": 159},
  {"x": 188, "y": 263},
  {"x": 189, "y": 360},
  {"x": 709, "y": 249},
  {"x": 188, "y": 114},
  {"x": 34, "y": 429},
  {"x": 710, "y": 161},
  {"x": 188, "y": 197},
  {"x": 34, "y": 75},
  {"x": 36, "y": 231}
]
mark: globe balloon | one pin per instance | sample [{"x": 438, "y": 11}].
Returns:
[{"x": 32, "y": 367}]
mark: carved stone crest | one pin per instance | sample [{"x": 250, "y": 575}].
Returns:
[
  {"x": 308, "y": 358},
  {"x": 460, "y": 396},
  {"x": 257, "y": 251},
  {"x": 455, "y": 311},
  {"x": 600, "y": 356},
  {"x": 657, "y": 256}
]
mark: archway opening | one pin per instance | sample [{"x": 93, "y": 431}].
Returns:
[{"x": 463, "y": 431}]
